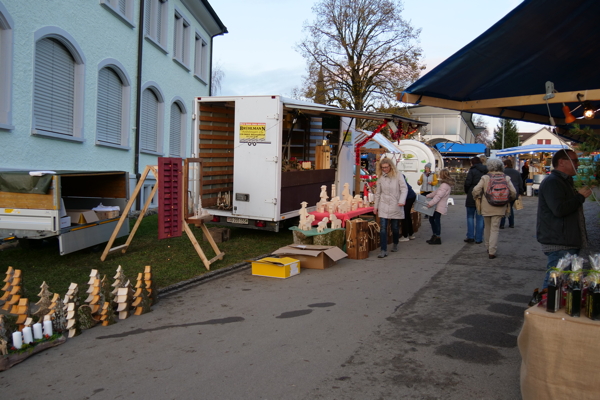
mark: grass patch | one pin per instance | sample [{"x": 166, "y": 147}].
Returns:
[{"x": 172, "y": 260}]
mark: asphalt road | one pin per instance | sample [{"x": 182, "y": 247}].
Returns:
[{"x": 429, "y": 322}]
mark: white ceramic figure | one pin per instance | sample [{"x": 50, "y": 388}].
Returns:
[
  {"x": 336, "y": 223},
  {"x": 322, "y": 224}
]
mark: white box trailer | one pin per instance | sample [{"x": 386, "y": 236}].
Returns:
[
  {"x": 246, "y": 144},
  {"x": 33, "y": 208}
]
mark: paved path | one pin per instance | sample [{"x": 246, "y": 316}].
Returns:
[{"x": 429, "y": 322}]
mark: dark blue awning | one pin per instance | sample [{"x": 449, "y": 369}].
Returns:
[
  {"x": 449, "y": 148},
  {"x": 539, "y": 41}
]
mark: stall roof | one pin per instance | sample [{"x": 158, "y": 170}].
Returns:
[
  {"x": 531, "y": 148},
  {"x": 448, "y": 148},
  {"x": 325, "y": 109},
  {"x": 503, "y": 72},
  {"x": 379, "y": 139}
]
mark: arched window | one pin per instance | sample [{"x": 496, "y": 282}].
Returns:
[
  {"x": 6, "y": 61},
  {"x": 177, "y": 131},
  {"x": 57, "y": 85},
  {"x": 109, "y": 114},
  {"x": 152, "y": 121}
]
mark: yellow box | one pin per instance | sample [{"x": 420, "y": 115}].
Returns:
[{"x": 276, "y": 267}]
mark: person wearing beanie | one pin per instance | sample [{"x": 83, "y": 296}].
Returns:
[{"x": 428, "y": 180}]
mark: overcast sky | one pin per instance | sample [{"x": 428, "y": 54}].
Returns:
[{"x": 258, "y": 55}]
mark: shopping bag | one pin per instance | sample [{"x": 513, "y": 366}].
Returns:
[{"x": 518, "y": 204}]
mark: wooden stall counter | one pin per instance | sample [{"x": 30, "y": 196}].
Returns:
[{"x": 559, "y": 356}]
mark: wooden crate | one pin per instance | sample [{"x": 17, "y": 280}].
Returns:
[{"x": 219, "y": 235}]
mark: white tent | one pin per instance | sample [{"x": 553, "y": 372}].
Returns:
[{"x": 532, "y": 148}]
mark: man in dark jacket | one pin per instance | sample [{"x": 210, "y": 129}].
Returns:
[
  {"x": 515, "y": 178},
  {"x": 474, "y": 220},
  {"x": 560, "y": 219}
]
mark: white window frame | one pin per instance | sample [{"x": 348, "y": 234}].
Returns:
[
  {"x": 6, "y": 63},
  {"x": 201, "y": 59},
  {"x": 181, "y": 40},
  {"x": 114, "y": 7},
  {"x": 183, "y": 128},
  {"x": 119, "y": 69},
  {"x": 160, "y": 123},
  {"x": 52, "y": 32},
  {"x": 157, "y": 15}
]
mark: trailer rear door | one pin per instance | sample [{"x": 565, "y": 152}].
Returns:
[{"x": 257, "y": 157}]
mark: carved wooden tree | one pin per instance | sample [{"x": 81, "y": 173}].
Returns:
[
  {"x": 7, "y": 285},
  {"x": 86, "y": 320},
  {"x": 150, "y": 285},
  {"x": 21, "y": 310},
  {"x": 107, "y": 312},
  {"x": 94, "y": 298},
  {"x": 141, "y": 301},
  {"x": 72, "y": 295},
  {"x": 15, "y": 290},
  {"x": 73, "y": 320},
  {"x": 120, "y": 280},
  {"x": 123, "y": 300},
  {"x": 45, "y": 302}
]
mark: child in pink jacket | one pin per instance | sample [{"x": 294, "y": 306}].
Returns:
[{"x": 439, "y": 199}]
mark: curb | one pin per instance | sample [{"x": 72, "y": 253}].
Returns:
[{"x": 208, "y": 276}]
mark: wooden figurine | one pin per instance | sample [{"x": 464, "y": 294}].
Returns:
[
  {"x": 336, "y": 223},
  {"x": 333, "y": 191},
  {"x": 331, "y": 207},
  {"x": 303, "y": 211},
  {"x": 321, "y": 205},
  {"x": 344, "y": 207},
  {"x": 322, "y": 225},
  {"x": 346, "y": 192},
  {"x": 323, "y": 194},
  {"x": 306, "y": 225},
  {"x": 44, "y": 303},
  {"x": 3, "y": 349}
]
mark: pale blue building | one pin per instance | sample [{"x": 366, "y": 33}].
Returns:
[{"x": 79, "y": 79}]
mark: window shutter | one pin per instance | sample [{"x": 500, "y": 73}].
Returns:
[
  {"x": 175, "y": 133},
  {"x": 54, "y": 87},
  {"x": 123, "y": 6},
  {"x": 175, "y": 38},
  {"x": 149, "y": 134},
  {"x": 147, "y": 19},
  {"x": 110, "y": 106},
  {"x": 159, "y": 11}
]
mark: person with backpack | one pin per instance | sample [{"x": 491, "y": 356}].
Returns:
[
  {"x": 407, "y": 226},
  {"x": 475, "y": 223},
  {"x": 493, "y": 193},
  {"x": 439, "y": 200}
]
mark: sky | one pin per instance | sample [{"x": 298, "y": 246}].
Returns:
[{"x": 258, "y": 55}]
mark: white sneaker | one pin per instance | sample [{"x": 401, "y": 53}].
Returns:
[
  {"x": 403, "y": 239},
  {"x": 413, "y": 237}
]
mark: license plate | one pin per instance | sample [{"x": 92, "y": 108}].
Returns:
[{"x": 234, "y": 220}]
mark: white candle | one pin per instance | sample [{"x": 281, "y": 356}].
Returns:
[
  {"x": 37, "y": 331},
  {"x": 27, "y": 336},
  {"x": 48, "y": 328},
  {"x": 17, "y": 340}
]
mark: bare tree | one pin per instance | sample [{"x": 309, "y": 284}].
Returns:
[
  {"x": 359, "y": 53},
  {"x": 217, "y": 79},
  {"x": 484, "y": 135}
]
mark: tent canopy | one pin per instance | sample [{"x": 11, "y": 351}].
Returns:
[
  {"x": 503, "y": 72},
  {"x": 532, "y": 148},
  {"x": 448, "y": 148}
]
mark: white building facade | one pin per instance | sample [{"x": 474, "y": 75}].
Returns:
[{"x": 445, "y": 125}]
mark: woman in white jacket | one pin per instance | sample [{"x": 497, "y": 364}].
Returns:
[
  {"x": 439, "y": 199},
  {"x": 390, "y": 197}
]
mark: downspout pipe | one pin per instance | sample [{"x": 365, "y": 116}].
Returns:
[{"x": 138, "y": 101}]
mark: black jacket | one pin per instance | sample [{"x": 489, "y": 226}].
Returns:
[
  {"x": 473, "y": 178},
  {"x": 516, "y": 179},
  {"x": 558, "y": 211}
]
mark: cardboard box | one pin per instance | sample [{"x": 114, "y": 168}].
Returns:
[
  {"x": 276, "y": 267},
  {"x": 82, "y": 216},
  {"x": 107, "y": 214},
  {"x": 421, "y": 205},
  {"x": 313, "y": 256},
  {"x": 65, "y": 222},
  {"x": 219, "y": 235}
]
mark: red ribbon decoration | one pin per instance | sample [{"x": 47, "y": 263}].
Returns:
[{"x": 359, "y": 145}]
